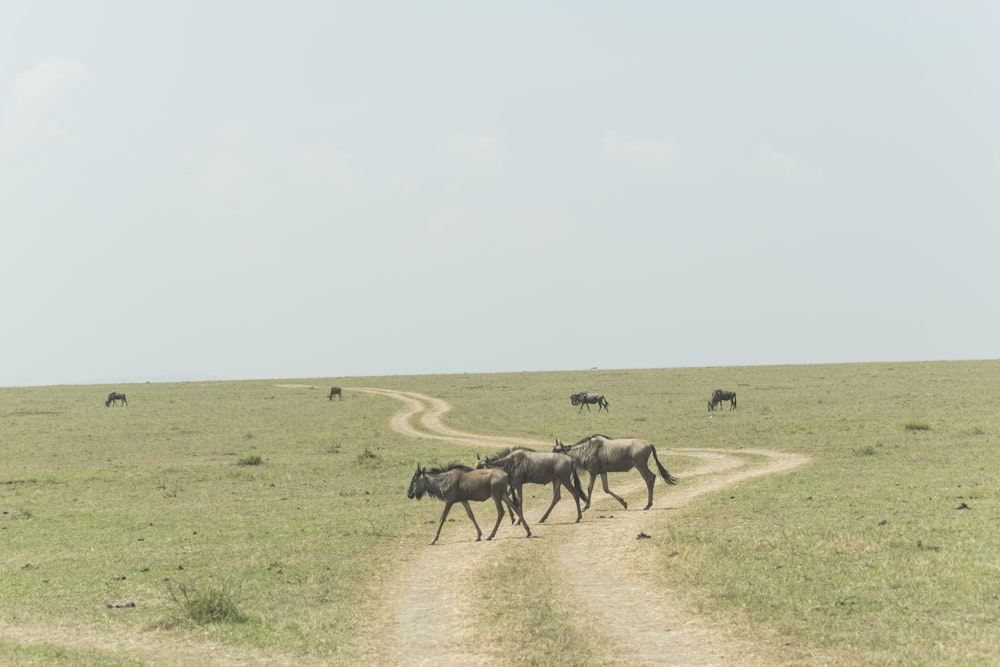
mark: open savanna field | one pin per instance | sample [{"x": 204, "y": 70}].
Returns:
[{"x": 256, "y": 522}]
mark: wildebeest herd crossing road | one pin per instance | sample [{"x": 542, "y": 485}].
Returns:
[{"x": 430, "y": 624}]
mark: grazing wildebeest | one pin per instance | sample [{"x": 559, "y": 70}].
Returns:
[
  {"x": 335, "y": 391},
  {"x": 460, "y": 484},
  {"x": 599, "y": 455},
  {"x": 113, "y": 399},
  {"x": 718, "y": 396},
  {"x": 588, "y": 399},
  {"x": 526, "y": 466}
]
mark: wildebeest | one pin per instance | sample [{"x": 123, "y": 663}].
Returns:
[
  {"x": 718, "y": 396},
  {"x": 599, "y": 455},
  {"x": 113, "y": 399},
  {"x": 526, "y": 466},
  {"x": 335, "y": 391},
  {"x": 460, "y": 484},
  {"x": 588, "y": 399}
]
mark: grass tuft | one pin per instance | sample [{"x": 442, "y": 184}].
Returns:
[
  {"x": 917, "y": 426},
  {"x": 204, "y": 606},
  {"x": 368, "y": 458},
  {"x": 251, "y": 460}
]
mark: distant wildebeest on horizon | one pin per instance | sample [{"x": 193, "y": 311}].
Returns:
[
  {"x": 598, "y": 454},
  {"x": 718, "y": 396},
  {"x": 526, "y": 466},
  {"x": 335, "y": 391},
  {"x": 460, "y": 484},
  {"x": 113, "y": 399},
  {"x": 588, "y": 399}
]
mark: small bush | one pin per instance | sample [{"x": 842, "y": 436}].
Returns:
[
  {"x": 211, "y": 605},
  {"x": 368, "y": 457},
  {"x": 917, "y": 426},
  {"x": 252, "y": 460}
]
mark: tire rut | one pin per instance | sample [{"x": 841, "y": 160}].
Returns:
[{"x": 431, "y": 623}]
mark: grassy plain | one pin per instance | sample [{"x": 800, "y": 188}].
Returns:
[{"x": 862, "y": 557}]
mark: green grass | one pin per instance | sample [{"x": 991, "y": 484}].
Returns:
[
  {"x": 862, "y": 556},
  {"x": 204, "y": 605},
  {"x": 50, "y": 654}
]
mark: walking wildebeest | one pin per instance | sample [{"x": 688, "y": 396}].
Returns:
[
  {"x": 718, "y": 396},
  {"x": 335, "y": 391},
  {"x": 113, "y": 399},
  {"x": 460, "y": 484},
  {"x": 526, "y": 466},
  {"x": 599, "y": 455},
  {"x": 588, "y": 399}
]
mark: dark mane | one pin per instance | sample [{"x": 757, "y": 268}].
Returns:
[
  {"x": 448, "y": 468},
  {"x": 587, "y": 439},
  {"x": 508, "y": 451}
]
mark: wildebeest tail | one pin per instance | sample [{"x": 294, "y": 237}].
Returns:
[{"x": 667, "y": 477}]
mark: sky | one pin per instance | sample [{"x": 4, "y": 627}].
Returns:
[{"x": 304, "y": 189}]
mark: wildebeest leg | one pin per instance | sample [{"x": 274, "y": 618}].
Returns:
[
  {"x": 444, "y": 515},
  {"x": 555, "y": 498},
  {"x": 499, "y": 503},
  {"x": 577, "y": 491},
  {"x": 468, "y": 510},
  {"x": 604, "y": 481},
  {"x": 516, "y": 500},
  {"x": 650, "y": 478},
  {"x": 590, "y": 490},
  {"x": 520, "y": 516}
]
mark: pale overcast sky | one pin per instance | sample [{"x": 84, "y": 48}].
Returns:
[{"x": 235, "y": 190}]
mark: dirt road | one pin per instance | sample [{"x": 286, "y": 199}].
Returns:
[{"x": 430, "y": 624}]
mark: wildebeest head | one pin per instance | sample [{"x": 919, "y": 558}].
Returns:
[
  {"x": 417, "y": 489},
  {"x": 559, "y": 448}
]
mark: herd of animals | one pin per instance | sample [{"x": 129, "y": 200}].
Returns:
[{"x": 501, "y": 477}]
